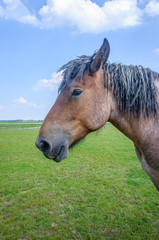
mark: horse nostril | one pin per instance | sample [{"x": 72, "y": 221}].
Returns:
[{"x": 44, "y": 146}]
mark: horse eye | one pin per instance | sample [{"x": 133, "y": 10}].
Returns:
[{"x": 76, "y": 92}]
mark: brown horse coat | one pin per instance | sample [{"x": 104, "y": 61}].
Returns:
[{"x": 93, "y": 92}]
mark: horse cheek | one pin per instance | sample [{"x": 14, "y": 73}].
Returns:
[{"x": 97, "y": 115}]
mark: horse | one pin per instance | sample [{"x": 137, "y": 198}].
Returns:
[{"x": 94, "y": 91}]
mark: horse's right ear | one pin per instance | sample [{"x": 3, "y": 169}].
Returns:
[{"x": 101, "y": 57}]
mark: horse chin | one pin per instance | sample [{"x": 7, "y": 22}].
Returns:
[{"x": 63, "y": 153}]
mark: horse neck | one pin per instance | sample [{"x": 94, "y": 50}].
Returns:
[
  {"x": 137, "y": 129},
  {"x": 142, "y": 131},
  {"x": 124, "y": 125}
]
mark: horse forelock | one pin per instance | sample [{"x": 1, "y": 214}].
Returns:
[
  {"x": 74, "y": 69},
  {"x": 133, "y": 87}
]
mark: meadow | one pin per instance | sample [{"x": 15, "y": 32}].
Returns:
[{"x": 99, "y": 192}]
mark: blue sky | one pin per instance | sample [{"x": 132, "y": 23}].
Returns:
[{"x": 38, "y": 37}]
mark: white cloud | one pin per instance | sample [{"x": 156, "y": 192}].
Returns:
[
  {"x": 2, "y": 107},
  {"x": 49, "y": 84},
  {"x": 31, "y": 19},
  {"x": 34, "y": 105},
  {"x": 152, "y": 8},
  {"x": 1, "y": 12},
  {"x": 21, "y": 100},
  {"x": 157, "y": 50},
  {"x": 82, "y": 15},
  {"x": 15, "y": 9},
  {"x": 89, "y": 17}
]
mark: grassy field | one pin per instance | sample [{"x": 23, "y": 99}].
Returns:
[{"x": 98, "y": 192}]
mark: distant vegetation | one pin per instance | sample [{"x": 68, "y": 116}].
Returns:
[
  {"x": 19, "y": 121},
  {"x": 100, "y": 192}
]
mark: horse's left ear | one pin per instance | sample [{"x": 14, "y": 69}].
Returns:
[{"x": 101, "y": 57}]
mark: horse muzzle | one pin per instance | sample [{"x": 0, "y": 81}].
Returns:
[{"x": 56, "y": 152}]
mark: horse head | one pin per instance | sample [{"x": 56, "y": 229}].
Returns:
[{"x": 80, "y": 106}]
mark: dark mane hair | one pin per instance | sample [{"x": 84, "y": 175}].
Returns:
[
  {"x": 132, "y": 86},
  {"x": 73, "y": 69}
]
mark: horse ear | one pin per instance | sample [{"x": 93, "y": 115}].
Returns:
[{"x": 101, "y": 57}]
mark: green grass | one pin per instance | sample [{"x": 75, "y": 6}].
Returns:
[
  {"x": 19, "y": 125},
  {"x": 98, "y": 192}
]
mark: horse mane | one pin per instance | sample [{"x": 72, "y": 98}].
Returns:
[{"x": 132, "y": 86}]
